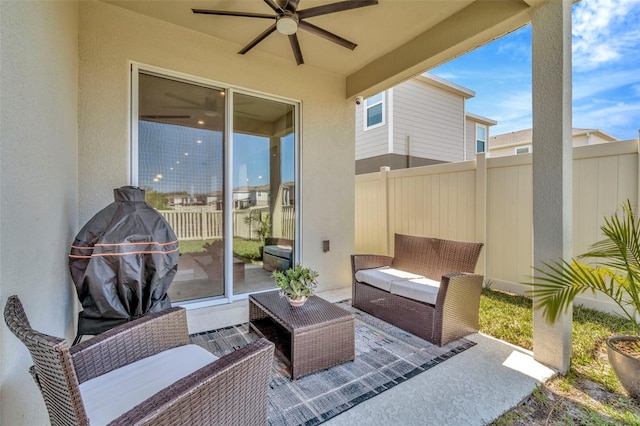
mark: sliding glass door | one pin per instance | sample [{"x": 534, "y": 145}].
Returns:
[
  {"x": 263, "y": 188},
  {"x": 220, "y": 167}
]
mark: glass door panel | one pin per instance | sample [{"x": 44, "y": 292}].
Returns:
[
  {"x": 263, "y": 190},
  {"x": 181, "y": 168}
]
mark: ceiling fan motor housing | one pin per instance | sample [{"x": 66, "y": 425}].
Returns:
[{"x": 287, "y": 23}]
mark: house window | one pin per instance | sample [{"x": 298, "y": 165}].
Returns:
[
  {"x": 523, "y": 150},
  {"x": 481, "y": 138},
  {"x": 374, "y": 111},
  {"x": 217, "y": 181}
]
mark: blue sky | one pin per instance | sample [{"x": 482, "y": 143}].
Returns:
[{"x": 606, "y": 72}]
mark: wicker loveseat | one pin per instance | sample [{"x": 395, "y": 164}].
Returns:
[
  {"x": 428, "y": 288},
  {"x": 145, "y": 372}
]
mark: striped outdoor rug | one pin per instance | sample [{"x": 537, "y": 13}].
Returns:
[{"x": 385, "y": 357}]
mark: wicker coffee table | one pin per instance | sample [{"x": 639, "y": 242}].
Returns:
[{"x": 312, "y": 337}]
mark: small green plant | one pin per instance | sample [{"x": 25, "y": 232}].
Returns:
[
  {"x": 262, "y": 222},
  {"x": 615, "y": 271},
  {"x": 296, "y": 282}
]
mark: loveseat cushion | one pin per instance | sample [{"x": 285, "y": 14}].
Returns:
[
  {"x": 109, "y": 396},
  {"x": 279, "y": 251},
  {"x": 420, "y": 289},
  {"x": 383, "y": 277}
]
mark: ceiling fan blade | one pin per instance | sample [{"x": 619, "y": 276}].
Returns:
[
  {"x": 182, "y": 99},
  {"x": 295, "y": 46},
  {"x": 335, "y": 7},
  {"x": 258, "y": 39},
  {"x": 326, "y": 35},
  {"x": 232, "y": 13},
  {"x": 157, "y": 117},
  {"x": 275, "y": 6},
  {"x": 292, "y": 5}
]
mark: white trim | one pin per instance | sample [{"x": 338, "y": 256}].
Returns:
[
  {"x": 485, "y": 140},
  {"x": 390, "y": 127},
  {"x": 135, "y": 69},
  {"x": 528, "y": 147},
  {"x": 133, "y": 128},
  {"x": 297, "y": 175},
  {"x": 464, "y": 130},
  {"x": 227, "y": 212},
  {"x": 366, "y": 107}
]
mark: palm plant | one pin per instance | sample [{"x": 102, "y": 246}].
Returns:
[{"x": 614, "y": 270}]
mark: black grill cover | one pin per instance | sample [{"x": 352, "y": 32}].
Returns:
[{"x": 122, "y": 262}]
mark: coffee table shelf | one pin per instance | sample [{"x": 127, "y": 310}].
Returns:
[{"x": 312, "y": 337}]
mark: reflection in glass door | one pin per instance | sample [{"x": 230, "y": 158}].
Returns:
[
  {"x": 180, "y": 167},
  {"x": 184, "y": 163},
  {"x": 263, "y": 190}
]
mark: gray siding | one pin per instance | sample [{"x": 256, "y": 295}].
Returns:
[
  {"x": 471, "y": 139},
  {"x": 432, "y": 117},
  {"x": 372, "y": 142}
]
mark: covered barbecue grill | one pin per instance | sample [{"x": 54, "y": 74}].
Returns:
[{"x": 122, "y": 262}]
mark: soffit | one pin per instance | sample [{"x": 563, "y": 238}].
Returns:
[{"x": 396, "y": 38}]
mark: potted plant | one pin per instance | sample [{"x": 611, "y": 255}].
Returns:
[
  {"x": 614, "y": 269},
  {"x": 296, "y": 284}
]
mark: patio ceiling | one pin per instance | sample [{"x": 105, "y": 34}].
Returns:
[{"x": 396, "y": 38}]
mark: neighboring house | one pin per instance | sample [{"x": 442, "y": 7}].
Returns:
[
  {"x": 419, "y": 122},
  {"x": 519, "y": 142},
  {"x": 251, "y": 196}
]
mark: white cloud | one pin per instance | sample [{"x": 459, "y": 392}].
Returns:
[
  {"x": 588, "y": 85},
  {"x": 604, "y": 31},
  {"x": 623, "y": 117},
  {"x": 512, "y": 110}
]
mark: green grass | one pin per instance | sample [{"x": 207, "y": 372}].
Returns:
[
  {"x": 247, "y": 249},
  {"x": 510, "y": 318},
  {"x": 507, "y": 317}
]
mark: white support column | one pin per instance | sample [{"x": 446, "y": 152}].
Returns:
[{"x": 552, "y": 164}]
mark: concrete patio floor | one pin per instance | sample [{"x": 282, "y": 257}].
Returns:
[{"x": 472, "y": 388}]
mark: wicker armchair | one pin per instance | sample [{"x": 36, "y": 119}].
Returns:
[
  {"x": 231, "y": 390},
  {"x": 456, "y": 307}
]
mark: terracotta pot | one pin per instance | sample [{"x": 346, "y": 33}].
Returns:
[
  {"x": 626, "y": 367},
  {"x": 298, "y": 301}
]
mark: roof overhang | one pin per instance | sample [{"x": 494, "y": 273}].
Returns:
[{"x": 397, "y": 39}]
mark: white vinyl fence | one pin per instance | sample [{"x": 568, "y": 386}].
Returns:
[
  {"x": 203, "y": 223},
  {"x": 490, "y": 200}
]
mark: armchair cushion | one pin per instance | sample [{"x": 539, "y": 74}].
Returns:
[
  {"x": 230, "y": 391},
  {"x": 383, "y": 277},
  {"x": 421, "y": 289},
  {"x": 110, "y": 395}
]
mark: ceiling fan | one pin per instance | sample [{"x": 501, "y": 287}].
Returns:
[
  {"x": 288, "y": 19},
  {"x": 163, "y": 117}
]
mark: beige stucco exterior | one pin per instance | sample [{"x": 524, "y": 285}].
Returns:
[
  {"x": 79, "y": 113},
  {"x": 64, "y": 133},
  {"x": 38, "y": 184}
]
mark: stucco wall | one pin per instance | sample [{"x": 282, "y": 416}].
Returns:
[
  {"x": 38, "y": 184},
  {"x": 110, "y": 37}
]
